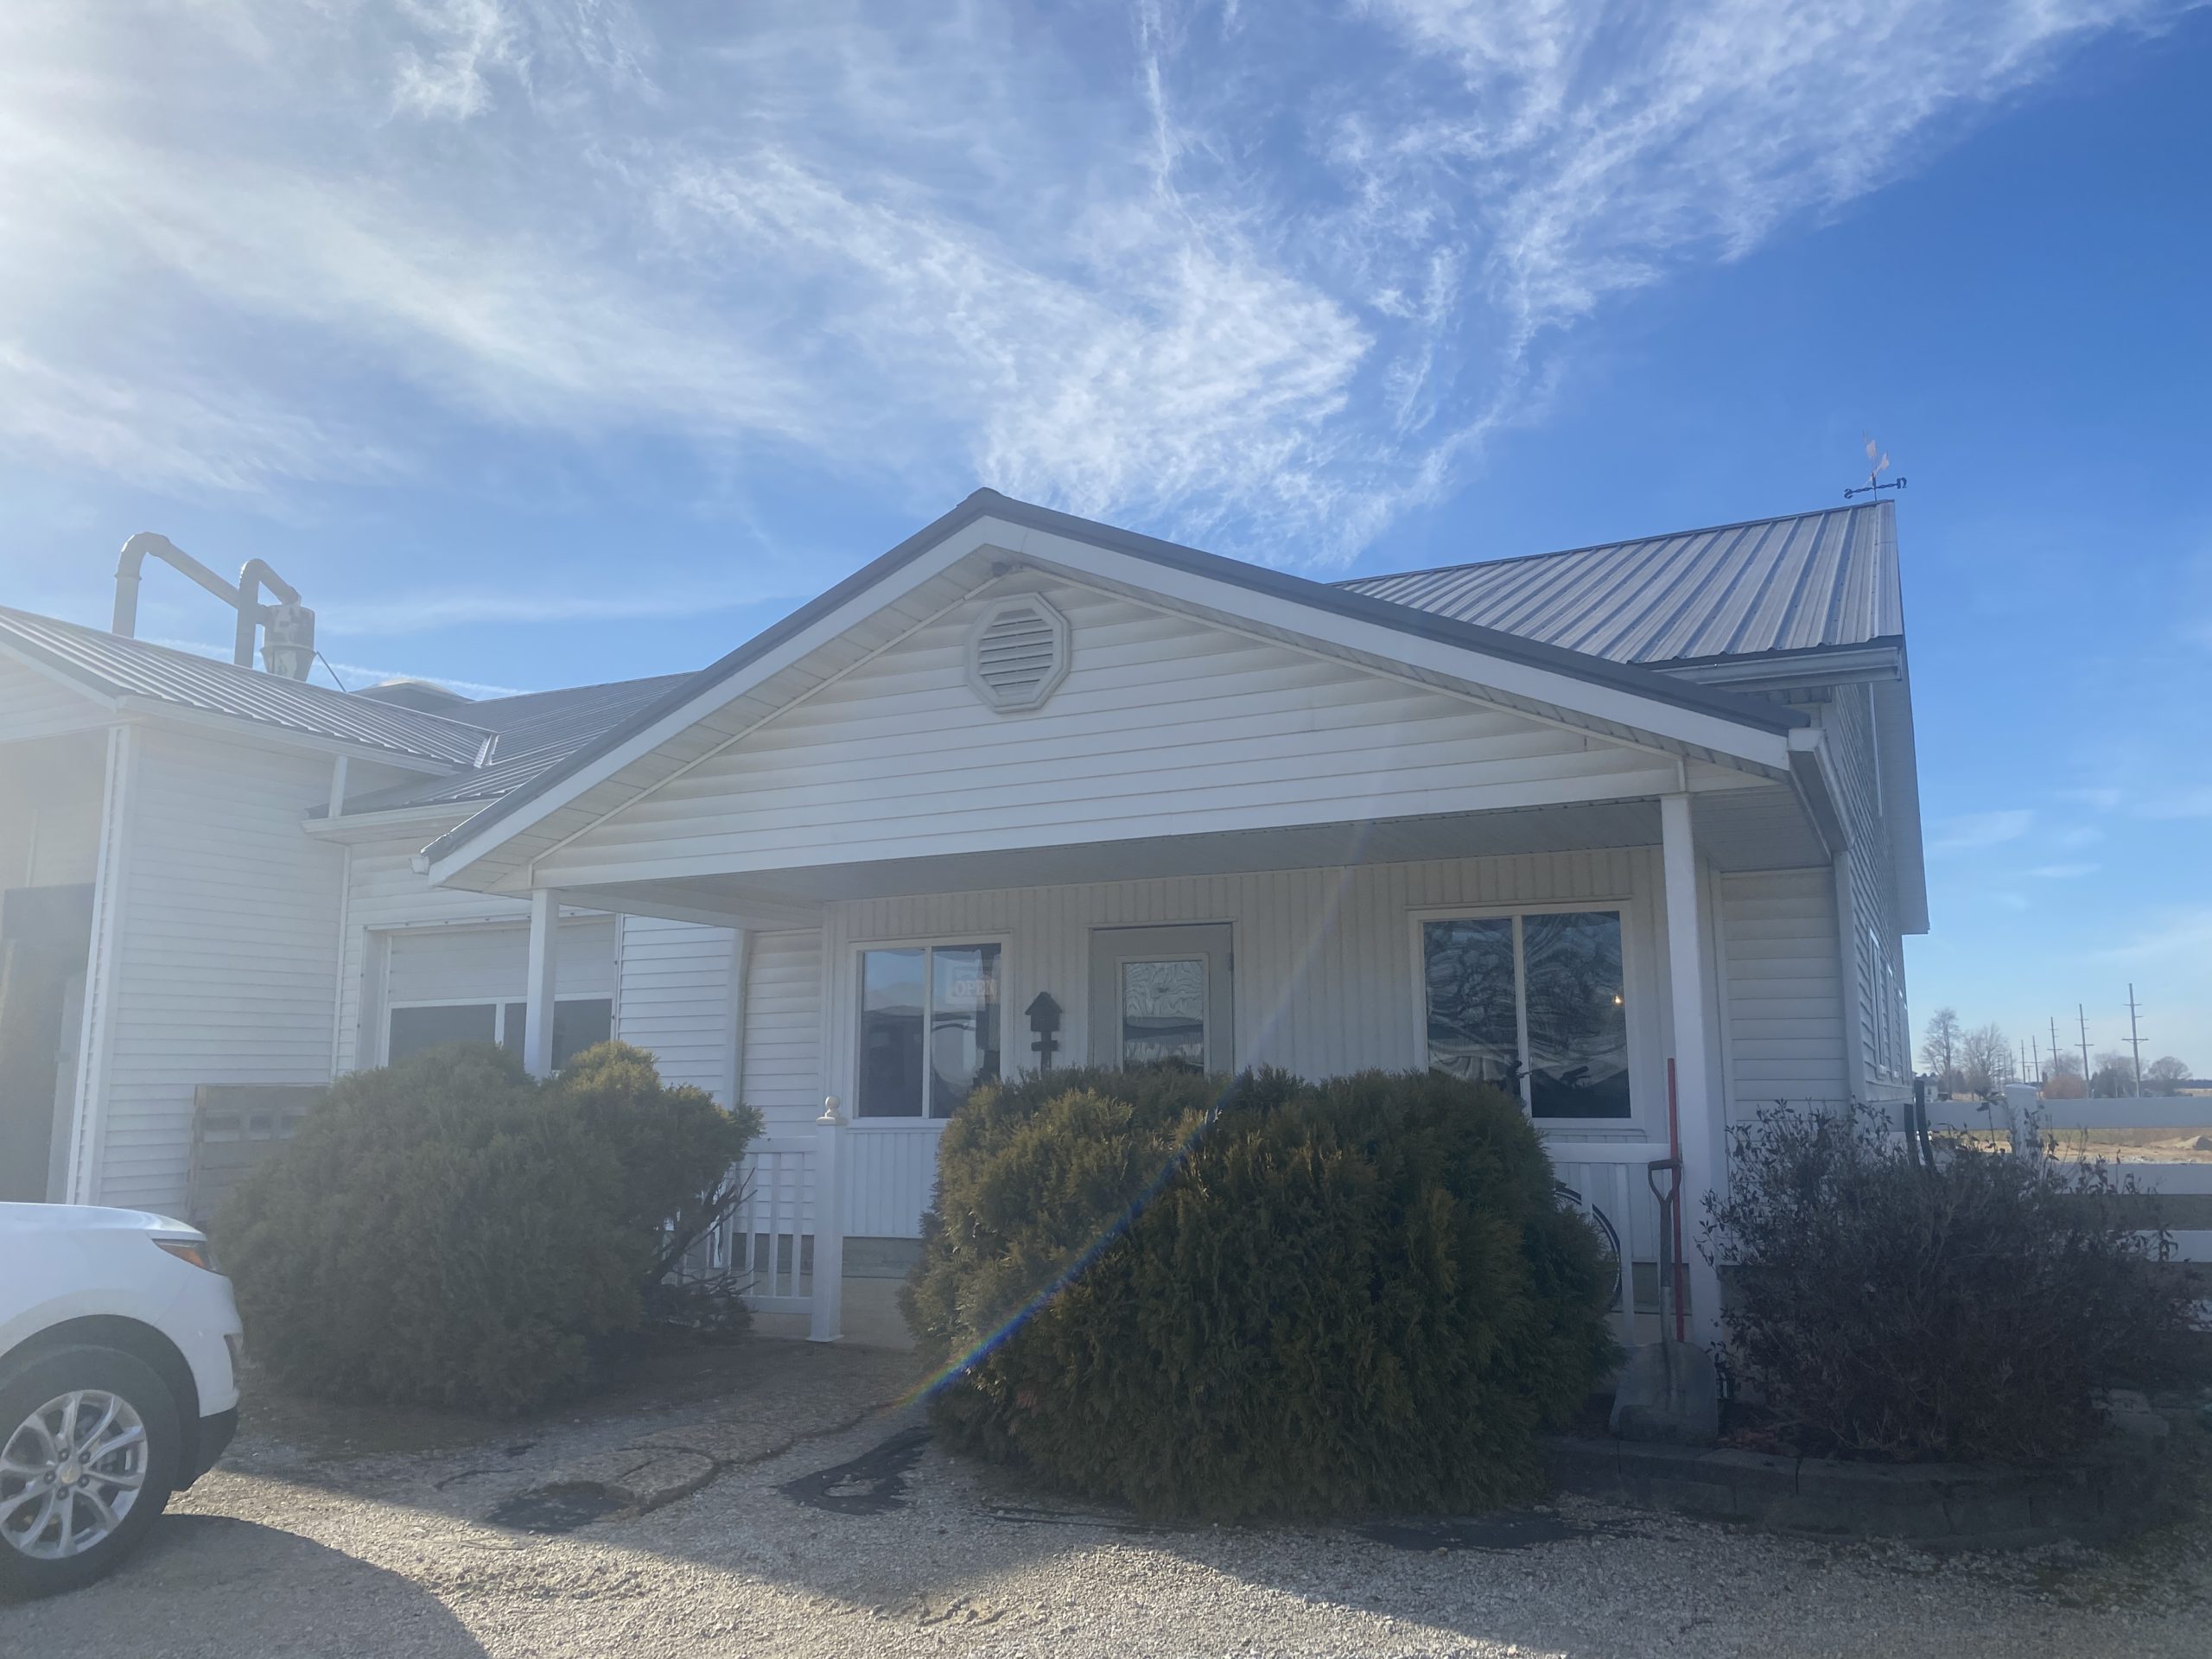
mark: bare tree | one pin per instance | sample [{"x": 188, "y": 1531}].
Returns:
[
  {"x": 1984, "y": 1059},
  {"x": 2115, "y": 1076},
  {"x": 1939, "y": 1048},
  {"x": 2062, "y": 1077},
  {"x": 2166, "y": 1072}
]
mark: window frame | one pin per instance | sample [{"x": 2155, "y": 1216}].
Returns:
[
  {"x": 499, "y": 1005},
  {"x": 1632, "y": 993},
  {"x": 857, "y": 1010}
]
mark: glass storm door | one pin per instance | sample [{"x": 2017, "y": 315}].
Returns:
[{"x": 1161, "y": 996}]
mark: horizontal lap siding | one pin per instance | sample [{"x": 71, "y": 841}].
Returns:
[
  {"x": 32, "y": 704},
  {"x": 1325, "y": 979},
  {"x": 384, "y": 892},
  {"x": 491, "y": 965},
  {"x": 1784, "y": 993},
  {"x": 1164, "y": 724},
  {"x": 676, "y": 999},
  {"x": 226, "y": 963},
  {"x": 783, "y": 1030}
]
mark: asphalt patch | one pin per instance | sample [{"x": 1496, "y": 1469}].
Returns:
[
  {"x": 561, "y": 1508},
  {"x": 1501, "y": 1529},
  {"x": 874, "y": 1483}
]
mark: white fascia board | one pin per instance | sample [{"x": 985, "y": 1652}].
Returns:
[
  {"x": 1660, "y": 780},
  {"x": 153, "y": 711},
  {"x": 1686, "y": 726},
  {"x": 369, "y": 826}
]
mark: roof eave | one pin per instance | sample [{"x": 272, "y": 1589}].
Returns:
[{"x": 465, "y": 844}]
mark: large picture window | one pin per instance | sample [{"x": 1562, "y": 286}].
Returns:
[
  {"x": 1535, "y": 1003},
  {"x": 929, "y": 1028},
  {"x": 579, "y": 1023}
]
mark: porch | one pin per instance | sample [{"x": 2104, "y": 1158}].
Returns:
[{"x": 1388, "y": 951}]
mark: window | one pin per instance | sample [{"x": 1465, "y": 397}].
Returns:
[
  {"x": 929, "y": 1028},
  {"x": 579, "y": 1022},
  {"x": 1535, "y": 1003}
]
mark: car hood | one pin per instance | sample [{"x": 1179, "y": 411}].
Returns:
[{"x": 87, "y": 1218}]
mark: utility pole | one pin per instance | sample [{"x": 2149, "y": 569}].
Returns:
[
  {"x": 2035, "y": 1054},
  {"x": 2054, "y": 1042},
  {"x": 2084, "y": 1018},
  {"x": 2134, "y": 1039}
]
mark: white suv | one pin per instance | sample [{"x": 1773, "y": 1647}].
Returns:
[{"x": 118, "y": 1384}]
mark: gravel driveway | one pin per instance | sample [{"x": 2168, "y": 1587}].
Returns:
[{"x": 804, "y": 1516}]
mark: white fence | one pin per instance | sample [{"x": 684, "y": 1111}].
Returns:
[{"x": 2029, "y": 1117}]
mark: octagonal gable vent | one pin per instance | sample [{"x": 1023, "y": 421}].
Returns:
[{"x": 1017, "y": 653}]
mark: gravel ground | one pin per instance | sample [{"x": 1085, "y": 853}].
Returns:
[{"x": 296, "y": 1546}]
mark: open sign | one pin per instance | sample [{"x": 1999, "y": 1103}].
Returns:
[{"x": 972, "y": 988}]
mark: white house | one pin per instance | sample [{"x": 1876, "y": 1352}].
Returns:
[{"x": 1566, "y": 820}]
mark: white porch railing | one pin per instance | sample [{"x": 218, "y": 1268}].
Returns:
[
  {"x": 784, "y": 1240},
  {"x": 1609, "y": 1182}
]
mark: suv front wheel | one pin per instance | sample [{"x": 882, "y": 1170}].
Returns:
[{"x": 89, "y": 1458}]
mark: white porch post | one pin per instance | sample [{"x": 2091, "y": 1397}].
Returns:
[
  {"x": 826, "y": 1321},
  {"x": 1703, "y": 1132},
  {"x": 544, "y": 971}
]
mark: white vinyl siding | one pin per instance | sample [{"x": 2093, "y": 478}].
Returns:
[
  {"x": 36, "y": 704},
  {"x": 1164, "y": 724},
  {"x": 50, "y": 811},
  {"x": 227, "y": 957},
  {"x": 783, "y": 1030},
  {"x": 448, "y": 946},
  {"x": 490, "y": 964},
  {"x": 1872, "y": 941},
  {"x": 677, "y": 999},
  {"x": 1325, "y": 981},
  {"x": 1784, "y": 990}
]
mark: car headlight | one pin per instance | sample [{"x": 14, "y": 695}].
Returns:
[{"x": 193, "y": 1250}]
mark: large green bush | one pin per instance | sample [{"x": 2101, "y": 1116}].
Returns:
[
  {"x": 1965, "y": 1307},
  {"x": 1261, "y": 1297},
  {"x": 451, "y": 1231}
]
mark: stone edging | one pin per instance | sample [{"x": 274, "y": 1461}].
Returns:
[{"x": 1938, "y": 1505}]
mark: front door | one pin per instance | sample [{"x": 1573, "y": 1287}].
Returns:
[{"x": 1161, "y": 995}]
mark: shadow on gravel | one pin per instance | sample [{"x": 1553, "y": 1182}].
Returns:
[
  {"x": 1500, "y": 1529},
  {"x": 210, "y": 1585},
  {"x": 874, "y": 1483},
  {"x": 561, "y": 1508}
]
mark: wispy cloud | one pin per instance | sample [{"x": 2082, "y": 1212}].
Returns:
[
  {"x": 1974, "y": 830},
  {"x": 2184, "y": 938},
  {"x": 2061, "y": 872},
  {"x": 1262, "y": 278}
]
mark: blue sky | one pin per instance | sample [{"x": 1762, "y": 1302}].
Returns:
[{"x": 542, "y": 342}]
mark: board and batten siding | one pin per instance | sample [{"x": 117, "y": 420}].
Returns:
[
  {"x": 678, "y": 999},
  {"x": 1325, "y": 981},
  {"x": 1164, "y": 725},
  {"x": 1871, "y": 940},
  {"x": 225, "y": 958},
  {"x": 1782, "y": 990}
]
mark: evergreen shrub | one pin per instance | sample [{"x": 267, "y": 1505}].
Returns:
[
  {"x": 1218, "y": 1298},
  {"x": 450, "y": 1232}
]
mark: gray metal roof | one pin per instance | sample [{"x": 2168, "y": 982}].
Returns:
[
  {"x": 532, "y": 734},
  {"x": 1801, "y": 583},
  {"x": 111, "y": 666}
]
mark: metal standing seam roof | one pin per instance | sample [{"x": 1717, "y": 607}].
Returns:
[
  {"x": 1799, "y": 582},
  {"x": 114, "y": 665},
  {"x": 532, "y": 734}
]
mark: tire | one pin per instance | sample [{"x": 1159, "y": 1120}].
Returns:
[{"x": 53, "y": 1537}]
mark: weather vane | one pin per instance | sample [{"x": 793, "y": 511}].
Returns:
[{"x": 1877, "y": 462}]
